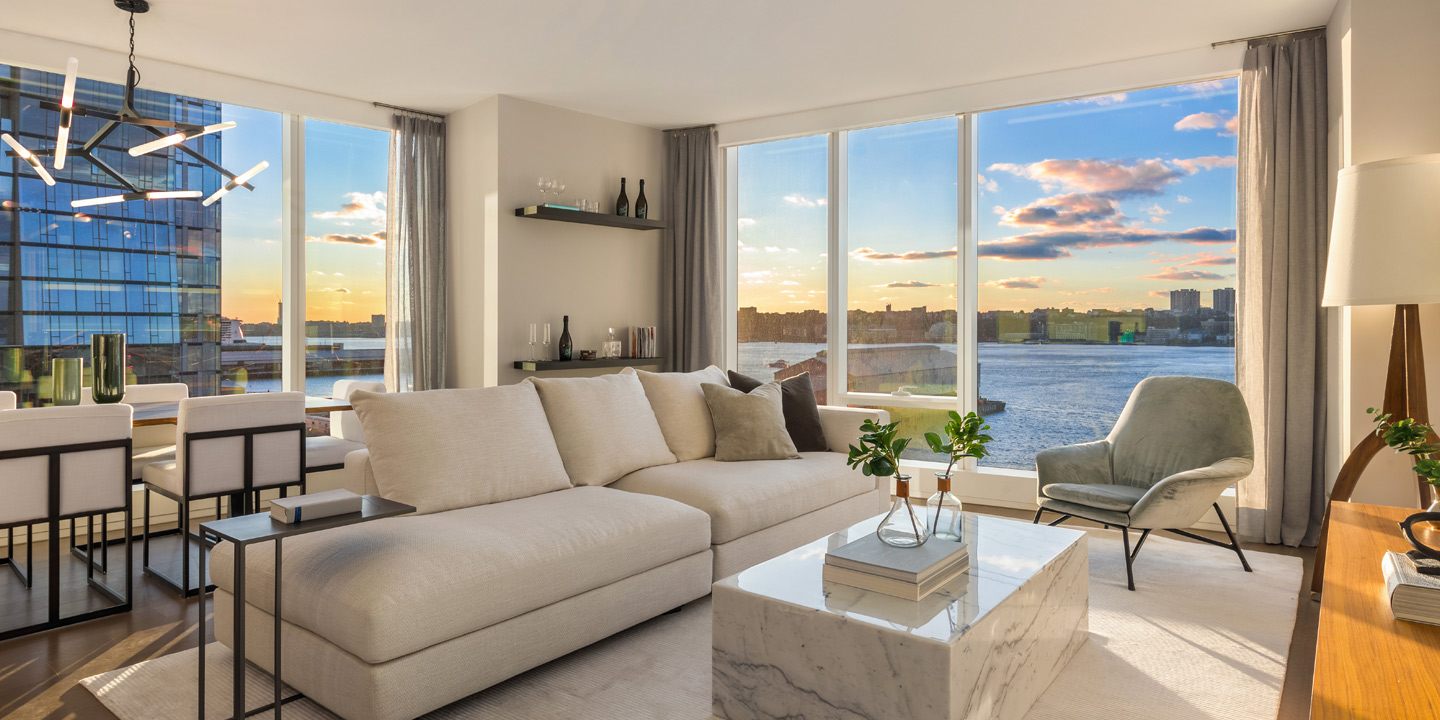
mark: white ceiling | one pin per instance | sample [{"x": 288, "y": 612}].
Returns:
[{"x": 662, "y": 63}]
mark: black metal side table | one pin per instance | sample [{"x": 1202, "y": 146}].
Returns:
[{"x": 247, "y": 530}]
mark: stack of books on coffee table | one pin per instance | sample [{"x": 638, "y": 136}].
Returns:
[
  {"x": 1413, "y": 595},
  {"x": 910, "y": 573}
]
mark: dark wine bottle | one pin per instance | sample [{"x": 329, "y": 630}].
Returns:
[
  {"x": 567, "y": 348},
  {"x": 642, "y": 208},
  {"x": 622, "y": 203}
]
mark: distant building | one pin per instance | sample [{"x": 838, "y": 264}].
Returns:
[
  {"x": 1161, "y": 336},
  {"x": 230, "y": 332},
  {"x": 1184, "y": 301},
  {"x": 1223, "y": 300},
  {"x": 378, "y": 321}
]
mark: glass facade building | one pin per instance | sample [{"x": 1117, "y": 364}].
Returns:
[{"x": 149, "y": 269}]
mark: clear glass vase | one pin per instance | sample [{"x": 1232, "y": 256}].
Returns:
[
  {"x": 943, "y": 512},
  {"x": 904, "y": 526}
]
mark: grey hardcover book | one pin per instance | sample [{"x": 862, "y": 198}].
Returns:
[
  {"x": 315, "y": 506},
  {"x": 911, "y": 565},
  {"x": 1413, "y": 596}
]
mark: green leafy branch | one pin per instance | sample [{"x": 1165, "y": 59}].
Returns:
[
  {"x": 1412, "y": 438},
  {"x": 964, "y": 438},
  {"x": 879, "y": 451}
]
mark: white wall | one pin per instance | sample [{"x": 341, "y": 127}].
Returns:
[
  {"x": 1385, "y": 103},
  {"x": 506, "y": 272}
]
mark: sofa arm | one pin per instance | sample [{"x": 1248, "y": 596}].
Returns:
[
  {"x": 1182, "y": 499},
  {"x": 841, "y": 425},
  {"x": 360, "y": 474},
  {"x": 1086, "y": 463}
]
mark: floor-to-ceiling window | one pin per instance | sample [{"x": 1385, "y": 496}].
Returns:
[
  {"x": 195, "y": 289},
  {"x": 1032, "y": 264}
]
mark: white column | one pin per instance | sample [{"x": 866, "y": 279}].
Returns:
[{"x": 292, "y": 242}]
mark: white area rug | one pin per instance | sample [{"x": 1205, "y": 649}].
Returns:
[{"x": 1199, "y": 639}]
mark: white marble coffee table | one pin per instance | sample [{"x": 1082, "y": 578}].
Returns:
[{"x": 789, "y": 645}]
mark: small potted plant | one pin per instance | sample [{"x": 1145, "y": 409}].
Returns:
[
  {"x": 1411, "y": 438},
  {"x": 878, "y": 455},
  {"x": 964, "y": 438}
]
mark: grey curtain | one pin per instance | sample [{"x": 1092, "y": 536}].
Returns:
[
  {"x": 415, "y": 255},
  {"x": 1283, "y": 189},
  {"x": 693, "y": 294}
]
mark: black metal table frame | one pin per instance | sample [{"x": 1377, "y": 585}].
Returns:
[{"x": 372, "y": 508}]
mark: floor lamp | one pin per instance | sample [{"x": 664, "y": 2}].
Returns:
[{"x": 1385, "y": 250}]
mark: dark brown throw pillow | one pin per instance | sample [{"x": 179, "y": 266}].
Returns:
[{"x": 797, "y": 401}]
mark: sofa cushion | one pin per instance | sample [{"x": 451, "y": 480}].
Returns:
[
  {"x": 1119, "y": 498},
  {"x": 802, "y": 414},
  {"x": 679, "y": 407},
  {"x": 392, "y": 587},
  {"x": 749, "y": 426},
  {"x": 603, "y": 426},
  {"x": 742, "y": 497},
  {"x": 446, "y": 449}
]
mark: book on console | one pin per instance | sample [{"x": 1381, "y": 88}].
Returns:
[
  {"x": 315, "y": 506},
  {"x": 910, "y": 565},
  {"x": 890, "y": 586},
  {"x": 1413, "y": 597}
]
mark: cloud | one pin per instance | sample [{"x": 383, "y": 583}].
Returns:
[
  {"x": 1071, "y": 210},
  {"x": 1182, "y": 198},
  {"x": 1200, "y": 121},
  {"x": 1017, "y": 283},
  {"x": 1111, "y": 99},
  {"x": 909, "y": 284},
  {"x": 1203, "y": 88},
  {"x": 343, "y": 291},
  {"x": 1232, "y": 126},
  {"x": 745, "y": 222},
  {"x": 1159, "y": 293},
  {"x": 987, "y": 184},
  {"x": 371, "y": 239},
  {"x": 1110, "y": 178},
  {"x": 357, "y": 206},
  {"x": 1155, "y": 210},
  {"x": 773, "y": 249},
  {"x": 1057, "y": 244},
  {"x": 1209, "y": 259},
  {"x": 1208, "y": 162},
  {"x": 803, "y": 201},
  {"x": 910, "y": 256},
  {"x": 1092, "y": 291},
  {"x": 788, "y": 282},
  {"x": 1176, "y": 274}
]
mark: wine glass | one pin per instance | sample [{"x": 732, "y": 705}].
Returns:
[
  {"x": 544, "y": 185},
  {"x": 546, "y": 341},
  {"x": 532, "y": 343},
  {"x": 557, "y": 187}
]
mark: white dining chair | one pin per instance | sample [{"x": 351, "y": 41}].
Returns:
[
  {"x": 7, "y": 400},
  {"x": 153, "y": 443},
  {"x": 231, "y": 445},
  {"x": 58, "y": 463},
  {"x": 327, "y": 452}
]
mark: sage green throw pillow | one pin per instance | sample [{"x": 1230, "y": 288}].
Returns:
[{"x": 749, "y": 426}]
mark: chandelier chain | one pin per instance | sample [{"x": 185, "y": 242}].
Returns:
[{"x": 133, "y": 69}]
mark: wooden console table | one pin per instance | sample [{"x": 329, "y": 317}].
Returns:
[{"x": 1368, "y": 664}]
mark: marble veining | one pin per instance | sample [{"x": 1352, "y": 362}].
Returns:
[{"x": 789, "y": 645}]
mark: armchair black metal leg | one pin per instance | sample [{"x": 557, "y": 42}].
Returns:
[
  {"x": 1058, "y": 520},
  {"x": 1038, "y": 513},
  {"x": 1129, "y": 571},
  {"x": 1233, "y": 542},
  {"x": 145, "y": 533}
]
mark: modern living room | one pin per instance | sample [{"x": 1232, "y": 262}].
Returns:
[{"x": 734, "y": 361}]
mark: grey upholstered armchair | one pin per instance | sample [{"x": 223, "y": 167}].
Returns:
[{"x": 1179, "y": 442}]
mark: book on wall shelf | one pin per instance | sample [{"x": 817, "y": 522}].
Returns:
[
  {"x": 1413, "y": 597},
  {"x": 910, "y": 573}
]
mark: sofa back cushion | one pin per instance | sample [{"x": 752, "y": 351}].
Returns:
[
  {"x": 446, "y": 449},
  {"x": 603, "y": 426},
  {"x": 679, "y": 406}
]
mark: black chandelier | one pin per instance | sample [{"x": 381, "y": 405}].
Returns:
[{"x": 168, "y": 133}]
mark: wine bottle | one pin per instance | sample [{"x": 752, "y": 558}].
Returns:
[
  {"x": 622, "y": 203},
  {"x": 567, "y": 348},
  {"x": 642, "y": 208}
]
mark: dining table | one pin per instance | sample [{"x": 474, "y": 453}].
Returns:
[{"x": 168, "y": 413}]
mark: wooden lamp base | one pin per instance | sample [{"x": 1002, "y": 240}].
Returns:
[{"x": 1404, "y": 397}]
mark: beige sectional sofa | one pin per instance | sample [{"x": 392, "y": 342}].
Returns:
[{"x": 551, "y": 514}]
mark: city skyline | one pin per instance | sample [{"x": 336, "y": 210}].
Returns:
[{"x": 1102, "y": 202}]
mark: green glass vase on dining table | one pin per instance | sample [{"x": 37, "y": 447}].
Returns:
[
  {"x": 107, "y": 363},
  {"x": 65, "y": 380}
]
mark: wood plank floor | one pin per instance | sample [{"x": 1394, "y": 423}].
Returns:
[{"x": 39, "y": 673}]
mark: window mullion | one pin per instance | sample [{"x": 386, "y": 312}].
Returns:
[
  {"x": 292, "y": 271},
  {"x": 837, "y": 294},
  {"x": 967, "y": 281}
]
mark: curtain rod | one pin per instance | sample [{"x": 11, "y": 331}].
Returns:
[
  {"x": 1267, "y": 35},
  {"x": 409, "y": 110},
  {"x": 692, "y": 127}
]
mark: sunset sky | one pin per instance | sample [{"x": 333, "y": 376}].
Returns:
[
  {"x": 1107, "y": 202},
  {"x": 346, "y": 172}
]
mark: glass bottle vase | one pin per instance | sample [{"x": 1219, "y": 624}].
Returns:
[
  {"x": 65, "y": 381},
  {"x": 904, "y": 526},
  {"x": 943, "y": 512},
  {"x": 107, "y": 364}
]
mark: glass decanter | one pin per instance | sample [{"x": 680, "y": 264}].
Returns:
[
  {"x": 943, "y": 511},
  {"x": 904, "y": 526}
]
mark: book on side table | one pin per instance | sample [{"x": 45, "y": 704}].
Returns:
[
  {"x": 1413, "y": 596},
  {"x": 314, "y": 506},
  {"x": 910, "y": 573}
]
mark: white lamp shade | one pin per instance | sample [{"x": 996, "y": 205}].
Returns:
[{"x": 1385, "y": 238}]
